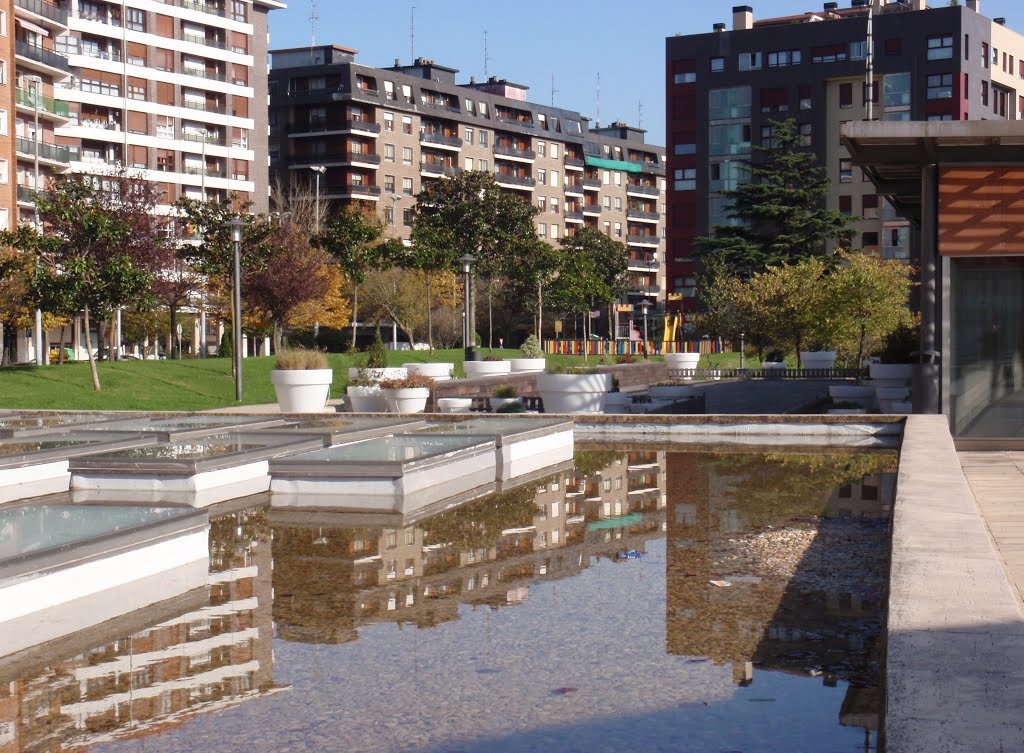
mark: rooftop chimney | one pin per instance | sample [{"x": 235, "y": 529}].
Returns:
[
  {"x": 974, "y": 5},
  {"x": 1000, "y": 21},
  {"x": 742, "y": 17},
  {"x": 858, "y": 3},
  {"x": 719, "y": 27},
  {"x": 831, "y": 6}
]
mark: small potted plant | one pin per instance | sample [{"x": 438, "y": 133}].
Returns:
[
  {"x": 515, "y": 407},
  {"x": 533, "y": 357},
  {"x": 488, "y": 366},
  {"x": 302, "y": 380},
  {"x": 407, "y": 395},
  {"x": 364, "y": 394},
  {"x": 503, "y": 395},
  {"x": 375, "y": 364},
  {"x": 894, "y": 367},
  {"x": 774, "y": 360},
  {"x": 439, "y": 371}
]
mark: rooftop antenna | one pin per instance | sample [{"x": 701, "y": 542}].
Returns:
[
  {"x": 639, "y": 113},
  {"x": 314, "y": 18},
  {"x": 869, "y": 66},
  {"x": 412, "y": 33},
  {"x": 554, "y": 91},
  {"x": 598, "y": 100},
  {"x": 487, "y": 56}
]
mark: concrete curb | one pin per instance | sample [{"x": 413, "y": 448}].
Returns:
[{"x": 955, "y": 640}]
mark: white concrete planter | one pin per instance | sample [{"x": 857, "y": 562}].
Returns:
[
  {"x": 574, "y": 393},
  {"x": 439, "y": 372},
  {"x": 366, "y": 399},
  {"x": 526, "y": 365},
  {"x": 890, "y": 374},
  {"x": 455, "y": 404},
  {"x": 862, "y": 394},
  {"x": 682, "y": 360},
  {"x": 379, "y": 375},
  {"x": 891, "y": 393},
  {"x": 670, "y": 391},
  {"x": 773, "y": 365},
  {"x": 817, "y": 359},
  {"x": 302, "y": 390},
  {"x": 407, "y": 399},
  {"x": 498, "y": 402},
  {"x": 475, "y": 369}
]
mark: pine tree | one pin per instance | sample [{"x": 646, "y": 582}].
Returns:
[{"x": 780, "y": 211}]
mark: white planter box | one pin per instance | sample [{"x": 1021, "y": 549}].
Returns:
[
  {"x": 526, "y": 365},
  {"x": 407, "y": 399},
  {"x": 682, "y": 360},
  {"x": 670, "y": 391},
  {"x": 574, "y": 393},
  {"x": 366, "y": 399},
  {"x": 498, "y": 402},
  {"x": 454, "y": 404},
  {"x": 379, "y": 375},
  {"x": 890, "y": 374},
  {"x": 773, "y": 365},
  {"x": 439, "y": 372},
  {"x": 475, "y": 369},
  {"x": 302, "y": 390},
  {"x": 817, "y": 359}
]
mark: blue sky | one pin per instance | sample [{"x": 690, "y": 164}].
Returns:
[{"x": 529, "y": 41}]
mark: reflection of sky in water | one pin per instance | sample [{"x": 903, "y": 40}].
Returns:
[
  {"x": 401, "y": 447},
  {"x": 183, "y": 423},
  {"x": 191, "y": 450},
  {"x": 21, "y": 448},
  {"x": 491, "y": 426},
  {"x": 43, "y": 422},
  {"x": 34, "y": 528}
]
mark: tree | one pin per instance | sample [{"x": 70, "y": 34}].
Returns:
[
  {"x": 84, "y": 254},
  {"x": 353, "y": 238},
  {"x": 396, "y": 294},
  {"x": 470, "y": 214},
  {"x": 591, "y": 273},
  {"x": 779, "y": 213},
  {"x": 868, "y": 296},
  {"x": 332, "y": 309},
  {"x": 531, "y": 277}
]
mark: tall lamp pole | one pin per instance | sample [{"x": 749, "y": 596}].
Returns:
[
  {"x": 468, "y": 341},
  {"x": 742, "y": 349},
  {"x": 42, "y": 359},
  {"x": 319, "y": 170},
  {"x": 644, "y": 305},
  {"x": 235, "y": 224}
]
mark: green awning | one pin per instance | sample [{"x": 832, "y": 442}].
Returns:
[
  {"x": 613, "y": 164},
  {"x": 624, "y": 521}
]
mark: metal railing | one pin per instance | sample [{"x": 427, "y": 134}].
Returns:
[
  {"x": 649, "y": 167},
  {"x": 573, "y": 215},
  {"x": 511, "y": 151},
  {"x": 645, "y": 190},
  {"x": 639, "y": 214},
  {"x": 203, "y": 7},
  {"x": 199, "y": 138},
  {"x": 591, "y": 183},
  {"x": 41, "y": 55},
  {"x": 48, "y": 104},
  {"x": 643, "y": 239},
  {"x": 573, "y": 162},
  {"x": 26, "y": 195},
  {"x": 439, "y": 138},
  {"x": 50, "y": 152},
  {"x": 435, "y": 169},
  {"x": 204, "y": 107},
  {"x": 219, "y": 44},
  {"x": 348, "y": 188},
  {"x": 514, "y": 180},
  {"x": 592, "y": 209},
  {"x": 574, "y": 188},
  {"x": 333, "y": 124},
  {"x": 826, "y": 374},
  {"x": 56, "y": 13}
]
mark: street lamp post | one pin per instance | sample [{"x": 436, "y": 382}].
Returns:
[
  {"x": 644, "y": 305},
  {"x": 37, "y": 92},
  {"x": 742, "y": 350},
  {"x": 468, "y": 340},
  {"x": 319, "y": 170},
  {"x": 235, "y": 224}
]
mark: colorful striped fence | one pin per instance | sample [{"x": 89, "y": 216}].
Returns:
[{"x": 633, "y": 347}]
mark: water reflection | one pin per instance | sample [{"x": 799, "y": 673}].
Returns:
[{"x": 773, "y": 565}]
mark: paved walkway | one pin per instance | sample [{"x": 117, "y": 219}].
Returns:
[{"x": 997, "y": 481}]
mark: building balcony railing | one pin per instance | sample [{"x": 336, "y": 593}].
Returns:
[
  {"x": 510, "y": 151},
  {"x": 645, "y": 290},
  {"x": 515, "y": 121},
  {"x": 204, "y": 107},
  {"x": 573, "y": 162},
  {"x": 650, "y": 167},
  {"x": 591, "y": 183},
  {"x": 443, "y": 106},
  {"x": 219, "y": 44},
  {"x": 113, "y": 56},
  {"x": 209, "y": 172},
  {"x": 26, "y": 195},
  {"x": 320, "y": 125},
  {"x": 644, "y": 240},
  {"x": 336, "y": 156},
  {"x": 56, "y": 13},
  {"x": 514, "y": 180},
  {"x": 49, "y": 104},
  {"x": 99, "y": 125},
  {"x": 427, "y": 137},
  {"x": 435, "y": 169},
  {"x": 637, "y": 214},
  {"x": 353, "y": 189},
  {"x": 591, "y": 209},
  {"x": 643, "y": 190},
  {"x": 41, "y": 55},
  {"x": 203, "y": 7},
  {"x": 200, "y": 138},
  {"x": 644, "y": 264},
  {"x": 50, "y": 152},
  {"x": 204, "y": 74},
  {"x": 574, "y": 188},
  {"x": 577, "y": 216}
]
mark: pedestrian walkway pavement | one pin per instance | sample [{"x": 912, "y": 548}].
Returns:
[{"x": 997, "y": 482}]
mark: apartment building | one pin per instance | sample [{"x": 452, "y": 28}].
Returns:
[
  {"x": 724, "y": 87},
  {"x": 375, "y": 135}
]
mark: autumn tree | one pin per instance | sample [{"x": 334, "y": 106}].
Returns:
[
  {"x": 779, "y": 210},
  {"x": 396, "y": 294},
  {"x": 84, "y": 255}
]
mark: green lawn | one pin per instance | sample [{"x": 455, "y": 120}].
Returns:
[{"x": 193, "y": 384}]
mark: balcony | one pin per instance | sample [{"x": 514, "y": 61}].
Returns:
[
  {"x": 644, "y": 290},
  {"x": 575, "y": 189},
  {"x": 339, "y": 125},
  {"x": 215, "y": 139},
  {"x": 427, "y": 168},
  {"x": 592, "y": 209},
  {"x": 443, "y": 106},
  {"x": 650, "y": 167},
  {"x": 591, "y": 183},
  {"x": 209, "y": 172},
  {"x": 203, "y": 7},
  {"x": 438, "y": 139},
  {"x": 48, "y": 152},
  {"x": 49, "y": 11},
  {"x": 41, "y": 55},
  {"x": 645, "y": 265},
  {"x": 204, "y": 74},
  {"x": 27, "y": 98},
  {"x": 571, "y": 163},
  {"x": 643, "y": 240},
  {"x": 574, "y": 216},
  {"x": 26, "y": 195},
  {"x": 514, "y": 181},
  {"x": 219, "y": 44},
  {"x": 513, "y": 153},
  {"x": 633, "y": 188},
  {"x": 203, "y": 107},
  {"x": 334, "y": 157},
  {"x": 637, "y": 214},
  {"x": 345, "y": 190}
]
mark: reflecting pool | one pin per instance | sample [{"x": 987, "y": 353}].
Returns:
[{"x": 650, "y": 598}]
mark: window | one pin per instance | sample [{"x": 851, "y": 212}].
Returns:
[
  {"x": 846, "y": 95},
  {"x": 618, "y": 203},
  {"x": 768, "y": 139},
  {"x": 407, "y": 216},
  {"x": 684, "y": 78},
  {"x": 542, "y": 203},
  {"x": 684, "y": 149},
  {"x": 606, "y": 202},
  {"x": 749, "y": 61},
  {"x": 389, "y": 184},
  {"x": 869, "y": 240},
  {"x": 729, "y": 139},
  {"x": 542, "y": 176},
  {"x": 406, "y": 155},
  {"x": 805, "y": 134},
  {"x": 897, "y": 90},
  {"x": 833, "y": 53},
  {"x": 942, "y": 116},
  {"x": 858, "y": 50},
  {"x": 607, "y": 228},
  {"x": 407, "y": 186},
  {"x": 389, "y": 121},
  {"x": 727, "y": 104},
  {"x": 554, "y": 178},
  {"x": 542, "y": 230},
  {"x": 3, "y": 171},
  {"x": 483, "y": 138},
  {"x": 846, "y": 205},
  {"x": 469, "y": 164},
  {"x": 995, "y": 56},
  {"x": 896, "y": 243},
  {"x": 618, "y": 229},
  {"x": 406, "y": 124},
  {"x": 3, "y": 122},
  {"x": 782, "y": 58},
  {"x": 967, "y": 46},
  {"x": 940, "y": 47},
  {"x": 685, "y": 179},
  {"x": 136, "y": 92},
  {"x": 984, "y": 92},
  {"x": 846, "y": 171},
  {"x": 3, "y": 71},
  {"x": 869, "y": 209},
  {"x": 389, "y": 152},
  {"x": 984, "y": 54},
  {"x": 554, "y": 205},
  {"x": 804, "y": 93},
  {"x": 726, "y": 176},
  {"x": 135, "y": 19},
  {"x": 542, "y": 148},
  {"x": 554, "y": 231},
  {"x": 940, "y": 86},
  {"x": 3, "y": 23},
  {"x": 717, "y": 65},
  {"x": 469, "y": 136},
  {"x": 554, "y": 151}
]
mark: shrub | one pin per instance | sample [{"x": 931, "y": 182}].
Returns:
[
  {"x": 492, "y": 358},
  {"x": 377, "y": 354},
  {"x": 362, "y": 379},
  {"x": 775, "y": 355},
  {"x": 413, "y": 381},
  {"x": 531, "y": 348},
  {"x": 301, "y": 359},
  {"x": 899, "y": 345},
  {"x": 225, "y": 350},
  {"x": 506, "y": 391},
  {"x": 625, "y": 358},
  {"x": 511, "y": 408}
]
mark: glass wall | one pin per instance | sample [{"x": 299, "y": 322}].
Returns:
[{"x": 987, "y": 347}]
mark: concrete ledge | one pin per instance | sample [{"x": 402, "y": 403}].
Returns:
[{"x": 955, "y": 631}]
